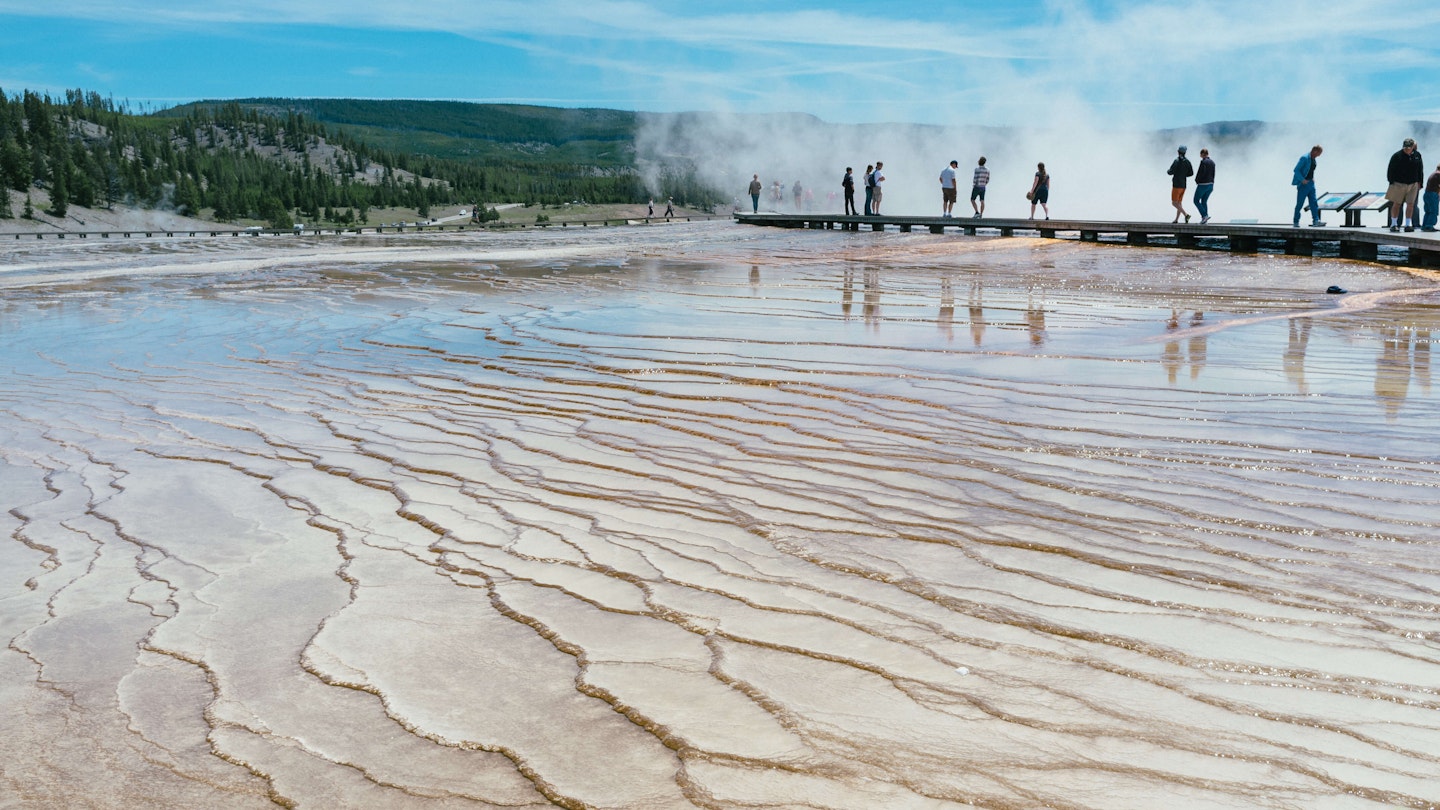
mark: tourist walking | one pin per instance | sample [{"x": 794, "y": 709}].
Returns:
[
  {"x": 798, "y": 191},
  {"x": 947, "y": 189},
  {"x": 869, "y": 188},
  {"x": 848, "y": 183},
  {"x": 879, "y": 176},
  {"x": 1432, "y": 201},
  {"x": 1039, "y": 193},
  {"x": 1405, "y": 173},
  {"x": 1204, "y": 184},
  {"x": 1179, "y": 171},
  {"x": 755, "y": 189},
  {"x": 777, "y": 194},
  {"x": 978, "y": 182},
  {"x": 669, "y": 207},
  {"x": 1303, "y": 179}
]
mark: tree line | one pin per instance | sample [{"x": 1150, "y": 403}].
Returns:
[{"x": 232, "y": 162}]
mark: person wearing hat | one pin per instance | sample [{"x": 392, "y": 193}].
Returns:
[
  {"x": 1406, "y": 172},
  {"x": 947, "y": 188},
  {"x": 1180, "y": 169}
]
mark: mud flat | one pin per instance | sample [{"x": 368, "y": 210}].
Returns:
[{"x": 709, "y": 516}]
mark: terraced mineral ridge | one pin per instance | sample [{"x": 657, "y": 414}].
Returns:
[{"x": 702, "y": 515}]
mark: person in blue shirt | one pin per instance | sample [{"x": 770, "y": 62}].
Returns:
[{"x": 1303, "y": 180}]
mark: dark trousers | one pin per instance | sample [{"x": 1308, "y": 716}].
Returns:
[{"x": 849, "y": 202}]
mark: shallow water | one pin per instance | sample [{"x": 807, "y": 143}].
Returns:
[{"x": 705, "y": 515}]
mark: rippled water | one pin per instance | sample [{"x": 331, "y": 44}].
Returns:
[{"x": 713, "y": 516}]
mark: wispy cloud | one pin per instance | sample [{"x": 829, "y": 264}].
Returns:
[{"x": 1010, "y": 63}]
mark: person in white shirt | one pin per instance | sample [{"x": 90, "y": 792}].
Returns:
[
  {"x": 947, "y": 188},
  {"x": 879, "y": 179}
]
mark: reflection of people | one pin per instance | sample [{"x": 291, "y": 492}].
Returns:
[
  {"x": 1035, "y": 320},
  {"x": 978, "y": 182},
  {"x": 755, "y": 189},
  {"x": 1179, "y": 171},
  {"x": 848, "y": 183},
  {"x": 1405, "y": 173},
  {"x": 1392, "y": 371},
  {"x": 946, "y": 319},
  {"x": 1294, "y": 363},
  {"x": 872, "y": 294},
  {"x": 847, "y": 293},
  {"x": 947, "y": 188},
  {"x": 977, "y": 313},
  {"x": 1204, "y": 184},
  {"x": 1197, "y": 346},
  {"x": 1040, "y": 191},
  {"x": 1432, "y": 201},
  {"x": 1303, "y": 179}
]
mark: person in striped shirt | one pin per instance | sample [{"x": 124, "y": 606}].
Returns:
[{"x": 977, "y": 188}]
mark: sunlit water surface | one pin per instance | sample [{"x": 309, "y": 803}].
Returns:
[{"x": 714, "y": 516}]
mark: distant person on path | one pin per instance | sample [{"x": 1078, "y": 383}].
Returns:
[
  {"x": 869, "y": 188},
  {"x": 1039, "y": 193},
  {"x": 1405, "y": 173},
  {"x": 755, "y": 189},
  {"x": 1204, "y": 184},
  {"x": 1180, "y": 171},
  {"x": 1303, "y": 179},
  {"x": 669, "y": 207},
  {"x": 798, "y": 191},
  {"x": 777, "y": 194},
  {"x": 879, "y": 179},
  {"x": 1432, "y": 201},
  {"x": 651, "y": 211},
  {"x": 978, "y": 182},
  {"x": 848, "y": 183},
  {"x": 947, "y": 189}
]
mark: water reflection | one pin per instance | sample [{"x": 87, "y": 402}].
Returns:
[
  {"x": 1173, "y": 358},
  {"x": 976, "y": 304},
  {"x": 945, "y": 319},
  {"x": 1295, "y": 346},
  {"x": 1404, "y": 357},
  {"x": 872, "y": 298}
]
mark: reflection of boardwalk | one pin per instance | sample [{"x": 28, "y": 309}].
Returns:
[{"x": 1423, "y": 250}]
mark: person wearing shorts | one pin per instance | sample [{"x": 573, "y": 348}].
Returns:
[
  {"x": 1180, "y": 170},
  {"x": 947, "y": 189},
  {"x": 978, "y": 182},
  {"x": 879, "y": 178},
  {"x": 1039, "y": 193},
  {"x": 1405, "y": 173}
]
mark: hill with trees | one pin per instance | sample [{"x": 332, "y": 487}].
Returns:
[{"x": 271, "y": 159}]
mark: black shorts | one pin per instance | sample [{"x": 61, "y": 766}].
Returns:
[{"x": 977, "y": 193}]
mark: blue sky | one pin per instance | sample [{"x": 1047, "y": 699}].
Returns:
[{"x": 1006, "y": 63}]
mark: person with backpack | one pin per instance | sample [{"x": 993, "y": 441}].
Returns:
[
  {"x": 869, "y": 188},
  {"x": 848, "y": 183}
]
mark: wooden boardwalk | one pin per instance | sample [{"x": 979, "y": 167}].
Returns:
[{"x": 1421, "y": 249}]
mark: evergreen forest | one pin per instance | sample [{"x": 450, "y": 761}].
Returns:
[{"x": 269, "y": 159}]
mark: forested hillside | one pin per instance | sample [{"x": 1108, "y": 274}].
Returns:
[{"x": 265, "y": 161}]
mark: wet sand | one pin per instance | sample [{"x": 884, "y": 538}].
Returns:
[{"x": 713, "y": 516}]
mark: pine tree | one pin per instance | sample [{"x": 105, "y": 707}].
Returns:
[
  {"x": 60, "y": 193},
  {"x": 29, "y": 207},
  {"x": 5, "y": 212}
]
